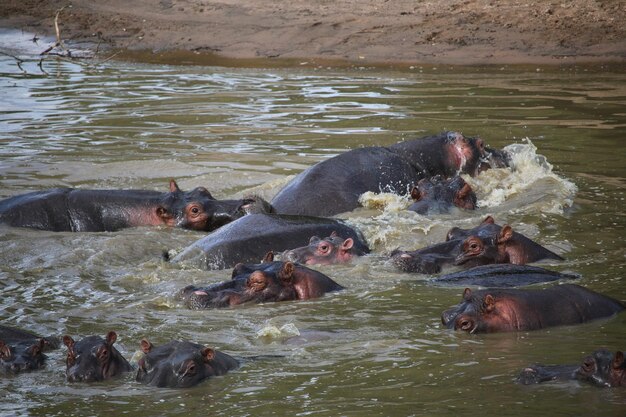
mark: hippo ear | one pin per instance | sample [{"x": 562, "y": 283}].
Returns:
[
  {"x": 286, "y": 273},
  {"x": 490, "y": 303},
  {"x": 37, "y": 348},
  {"x": 173, "y": 186},
  {"x": 467, "y": 294},
  {"x": 465, "y": 191},
  {"x": 451, "y": 233},
  {"x": 111, "y": 337},
  {"x": 145, "y": 345},
  {"x": 347, "y": 244},
  {"x": 618, "y": 359},
  {"x": 334, "y": 234},
  {"x": 207, "y": 354},
  {"x": 314, "y": 239},
  {"x": 68, "y": 341},
  {"x": 5, "y": 350},
  {"x": 488, "y": 220},
  {"x": 416, "y": 195},
  {"x": 269, "y": 257},
  {"x": 506, "y": 234}
]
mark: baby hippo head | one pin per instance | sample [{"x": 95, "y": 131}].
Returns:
[{"x": 94, "y": 358}]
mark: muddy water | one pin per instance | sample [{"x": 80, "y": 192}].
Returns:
[{"x": 375, "y": 349}]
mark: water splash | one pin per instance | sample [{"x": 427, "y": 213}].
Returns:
[{"x": 529, "y": 186}]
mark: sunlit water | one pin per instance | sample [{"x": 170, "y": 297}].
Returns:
[{"x": 378, "y": 347}]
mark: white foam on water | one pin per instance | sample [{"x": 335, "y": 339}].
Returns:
[{"x": 530, "y": 185}]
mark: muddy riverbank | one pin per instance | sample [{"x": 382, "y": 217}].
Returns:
[{"x": 319, "y": 31}]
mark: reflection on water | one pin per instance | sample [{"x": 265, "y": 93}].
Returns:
[{"x": 376, "y": 348}]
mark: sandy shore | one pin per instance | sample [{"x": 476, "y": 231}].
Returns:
[{"x": 363, "y": 31}]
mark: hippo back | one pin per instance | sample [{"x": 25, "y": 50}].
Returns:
[{"x": 249, "y": 238}]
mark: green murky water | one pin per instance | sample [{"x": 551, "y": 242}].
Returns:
[{"x": 375, "y": 349}]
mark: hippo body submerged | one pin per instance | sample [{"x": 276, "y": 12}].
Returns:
[
  {"x": 248, "y": 239},
  {"x": 94, "y": 359},
  {"x": 334, "y": 186},
  {"x": 485, "y": 244},
  {"x": 602, "y": 368},
  {"x": 491, "y": 243},
  {"x": 258, "y": 283},
  {"x": 330, "y": 250},
  {"x": 78, "y": 210},
  {"x": 22, "y": 351},
  {"x": 437, "y": 195},
  {"x": 501, "y": 310},
  {"x": 181, "y": 364},
  {"x": 501, "y": 276}
]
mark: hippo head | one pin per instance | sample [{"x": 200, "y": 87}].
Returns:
[
  {"x": 536, "y": 374},
  {"x": 475, "y": 314},
  {"x": 494, "y": 158},
  {"x": 330, "y": 250},
  {"x": 250, "y": 286},
  {"x": 603, "y": 368},
  {"x": 481, "y": 251},
  {"x": 470, "y": 156},
  {"x": 198, "y": 210},
  {"x": 437, "y": 195},
  {"x": 486, "y": 229},
  {"x": 180, "y": 364},
  {"x": 23, "y": 356},
  {"x": 94, "y": 358}
]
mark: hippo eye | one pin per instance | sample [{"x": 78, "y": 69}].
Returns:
[
  {"x": 103, "y": 354},
  {"x": 324, "y": 248},
  {"x": 189, "y": 369},
  {"x": 465, "y": 324}
]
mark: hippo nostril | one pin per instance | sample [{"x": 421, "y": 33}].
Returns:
[{"x": 452, "y": 136}]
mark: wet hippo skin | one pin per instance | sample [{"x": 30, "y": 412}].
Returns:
[{"x": 334, "y": 186}]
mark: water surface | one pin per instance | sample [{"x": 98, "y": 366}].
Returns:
[{"x": 377, "y": 348}]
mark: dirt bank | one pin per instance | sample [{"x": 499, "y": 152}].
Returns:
[{"x": 367, "y": 31}]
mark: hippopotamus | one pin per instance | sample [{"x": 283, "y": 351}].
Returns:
[
  {"x": 258, "y": 283},
  {"x": 437, "y": 195},
  {"x": 181, "y": 364},
  {"x": 502, "y": 310},
  {"x": 94, "y": 359},
  {"x": 428, "y": 260},
  {"x": 501, "y": 276},
  {"x": 334, "y": 186},
  {"x": 249, "y": 238},
  {"x": 510, "y": 244},
  {"x": 332, "y": 249},
  {"x": 22, "y": 351},
  {"x": 536, "y": 374},
  {"x": 505, "y": 246},
  {"x": 78, "y": 210},
  {"x": 602, "y": 368}
]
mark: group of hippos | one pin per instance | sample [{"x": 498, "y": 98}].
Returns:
[{"x": 296, "y": 230}]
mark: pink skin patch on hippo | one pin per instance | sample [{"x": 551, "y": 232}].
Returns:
[
  {"x": 460, "y": 151},
  {"x": 200, "y": 292}
]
